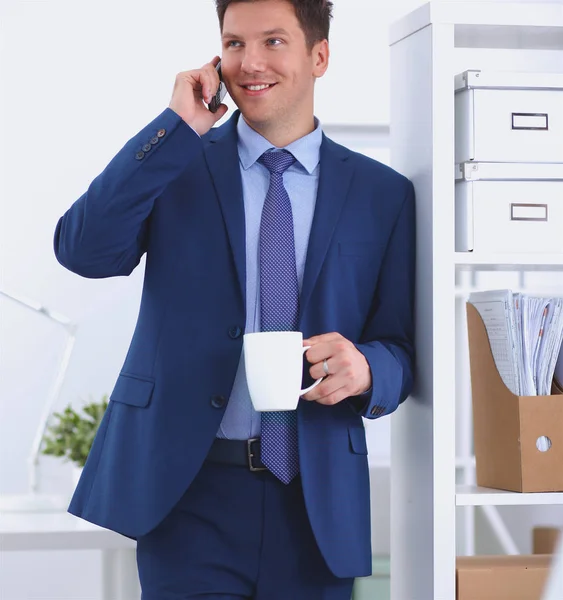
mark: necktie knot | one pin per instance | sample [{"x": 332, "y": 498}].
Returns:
[{"x": 277, "y": 162}]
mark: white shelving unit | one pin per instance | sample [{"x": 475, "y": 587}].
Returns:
[{"x": 428, "y": 48}]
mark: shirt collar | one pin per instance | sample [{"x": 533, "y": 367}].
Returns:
[{"x": 251, "y": 146}]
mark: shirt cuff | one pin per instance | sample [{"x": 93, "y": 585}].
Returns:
[{"x": 193, "y": 130}]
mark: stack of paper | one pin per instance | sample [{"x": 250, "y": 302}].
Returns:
[{"x": 526, "y": 335}]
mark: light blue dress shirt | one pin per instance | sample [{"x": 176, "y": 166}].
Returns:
[{"x": 301, "y": 180}]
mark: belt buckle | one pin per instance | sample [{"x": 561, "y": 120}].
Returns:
[{"x": 251, "y": 455}]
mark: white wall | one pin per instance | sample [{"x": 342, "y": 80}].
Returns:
[{"x": 78, "y": 80}]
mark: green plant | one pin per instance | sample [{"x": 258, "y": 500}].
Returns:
[{"x": 71, "y": 434}]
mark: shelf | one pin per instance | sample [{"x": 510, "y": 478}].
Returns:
[
  {"x": 472, "y": 495},
  {"x": 521, "y": 20},
  {"x": 510, "y": 262},
  {"x": 515, "y": 37}
]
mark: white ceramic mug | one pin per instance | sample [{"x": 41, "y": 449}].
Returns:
[{"x": 274, "y": 369}]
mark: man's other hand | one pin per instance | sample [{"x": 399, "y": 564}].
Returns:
[{"x": 349, "y": 373}]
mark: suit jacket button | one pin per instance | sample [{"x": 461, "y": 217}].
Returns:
[
  {"x": 140, "y": 155},
  {"x": 235, "y": 332},
  {"x": 146, "y": 147},
  {"x": 154, "y": 140},
  {"x": 217, "y": 401},
  {"x": 161, "y": 133}
]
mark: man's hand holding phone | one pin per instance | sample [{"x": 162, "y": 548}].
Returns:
[{"x": 194, "y": 89}]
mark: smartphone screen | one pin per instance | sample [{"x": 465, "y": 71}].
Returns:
[{"x": 221, "y": 92}]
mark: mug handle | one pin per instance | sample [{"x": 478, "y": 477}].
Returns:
[{"x": 307, "y": 390}]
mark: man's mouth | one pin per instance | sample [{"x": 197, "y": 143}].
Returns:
[{"x": 258, "y": 88}]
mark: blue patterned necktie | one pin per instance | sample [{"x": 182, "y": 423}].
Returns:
[{"x": 279, "y": 307}]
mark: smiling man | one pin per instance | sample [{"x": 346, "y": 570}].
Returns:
[{"x": 262, "y": 220}]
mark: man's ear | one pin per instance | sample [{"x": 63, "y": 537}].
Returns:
[{"x": 321, "y": 54}]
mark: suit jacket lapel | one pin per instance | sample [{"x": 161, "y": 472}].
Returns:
[
  {"x": 334, "y": 181},
  {"x": 221, "y": 153}
]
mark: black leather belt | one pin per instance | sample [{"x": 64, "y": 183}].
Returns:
[{"x": 242, "y": 453}]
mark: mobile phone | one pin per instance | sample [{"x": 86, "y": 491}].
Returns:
[{"x": 221, "y": 92}]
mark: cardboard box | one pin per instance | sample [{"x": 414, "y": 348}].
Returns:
[
  {"x": 506, "y": 427},
  {"x": 520, "y": 577},
  {"x": 544, "y": 539}
]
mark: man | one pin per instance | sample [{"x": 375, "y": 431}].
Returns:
[{"x": 180, "y": 462}]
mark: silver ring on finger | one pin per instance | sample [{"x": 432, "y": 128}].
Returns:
[{"x": 325, "y": 366}]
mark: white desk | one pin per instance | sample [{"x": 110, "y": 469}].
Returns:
[{"x": 63, "y": 531}]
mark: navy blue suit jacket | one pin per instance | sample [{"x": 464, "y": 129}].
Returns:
[{"x": 181, "y": 203}]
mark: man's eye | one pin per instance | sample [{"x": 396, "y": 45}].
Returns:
[
  {"x": 232, "y": 43},
  {"x": 274, "y": 42}
]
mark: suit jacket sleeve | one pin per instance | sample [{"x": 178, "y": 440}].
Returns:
[
  {"x": 389, "y": 330},
  {"x": 104, "y": 233}
]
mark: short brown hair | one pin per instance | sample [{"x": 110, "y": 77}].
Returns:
[{"x": 313, "y": 15}]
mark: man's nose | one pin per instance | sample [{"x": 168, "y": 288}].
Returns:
[{"x": 252, "y": 61}]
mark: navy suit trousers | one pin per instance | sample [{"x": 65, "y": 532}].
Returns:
[{"x": 236, "y": 534}]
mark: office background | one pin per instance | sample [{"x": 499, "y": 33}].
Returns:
[{"x": 78, "y": 81}]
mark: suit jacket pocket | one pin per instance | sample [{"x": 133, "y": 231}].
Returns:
[
  {"x": 357, "y": 437},
  {"x": 133, "y": 390}
]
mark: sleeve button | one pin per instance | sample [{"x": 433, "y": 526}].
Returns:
[
  {"x": 235, "y": 332},
  {"x": 161, "y": 133},
  {"x": 140, "y": 155},
  {"x": 217, "y": 401}
]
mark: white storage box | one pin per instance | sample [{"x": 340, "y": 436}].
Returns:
[
  {"x": 509, "y": 117},
  {"x": 501, "y": 211}
]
